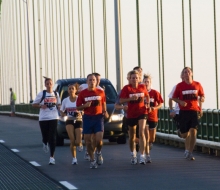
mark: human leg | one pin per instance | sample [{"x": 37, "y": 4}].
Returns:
[
  {"x": 193, "y": 134},
  {"x": 70, "y": 130},
  {"x": 44, "y": 127},
  {"x": 142, "y": 139},
  {"x": 132, "y": 137},
  {"x": 78, "y": 135},
  {"x": 52, "y": 136},
  {"x": 99, "y": 144},
  {"x": 147, "y": 150},
  {"x": 90, "y": 149}
]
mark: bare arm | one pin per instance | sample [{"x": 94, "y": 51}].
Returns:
[
  {"x": 86, "y": 105},
  {"x": 123, "y": 100},
  {"x": 104, "y": 110},
  {"x": 39, "y": 106},
  {"x": 172, "y": 112},
  {"x": 201, "y": 100},
  {"x": 118, "y": 106},
  {"x": 180, "y": 102},
  {"x": 157, "y": 107},
  {"x": 170, "y": 104}
]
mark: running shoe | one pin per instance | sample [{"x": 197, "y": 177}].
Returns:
[
  {"x": 148, "y": 159},
  {"x": 80, "y": 148},
  {"x": 134, "y": 160},
  {"x": 74, "y": 161},
  {"x": 137, "y": 147},
  {"x": 186, "y": 154},
  {"x": 150, "y": 146},
  {"x": 86, "y": 156},
  {"x": 51, "y": 161},
  {"x": 45, "y": 148},
  {"x": 190, "y": 156},
  {"x": 93, "y": 164},
  {"x": 99, "y": 158},
  {"x": 142, "y": 159}
]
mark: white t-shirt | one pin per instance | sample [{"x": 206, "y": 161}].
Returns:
[
  {"x": 69, "y": 107},
  {"x": 51, "y": 101},
  {"x": 85, "y": 86},
  {"x": 176, "y": 107}
]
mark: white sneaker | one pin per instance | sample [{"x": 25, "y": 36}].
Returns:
[
  {"x": 74, "y": 161},
  {"x": 99, "y": 158},
  {"x": 93, "y": 164},
  {"x": 148, "y": 159},
  {"x": 142, "y": 159},
  {"x": 186, "y": 153},
  {"x": 45, "y": 148},
  {"x": 86, "y": 156},
  {"x": 51, "y": 161},
  {"x": 80, "y": 148},
  {"x": 189, "y": 156}
]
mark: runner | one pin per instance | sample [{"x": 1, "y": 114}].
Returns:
[
  {"x": 83, "y": 87},
  {"x": 134, "y": 95},
  {"x": 74, "y": 121},
  {"x": 174, "y": 112},
  {"x": 187, "y": 94},
  {"x": 48, "y": 117},
  {"x": 156, "y": 103},
  {"x": 93, "y": 101},
  {"x": 124, "y": 106}
]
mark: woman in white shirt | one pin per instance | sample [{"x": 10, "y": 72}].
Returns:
[
  {"x": 48, "y": 101},
  {"x": 74, "y": 120}
]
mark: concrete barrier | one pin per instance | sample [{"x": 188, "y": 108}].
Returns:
[{"x": 205, "y": 146}]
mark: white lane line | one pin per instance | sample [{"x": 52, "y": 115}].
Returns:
[
  {"x": 68, "y": 185},
  {"x": 15, "y": 150},
  {"x": 34, "y": 163},
  {"x": 1, "y": 141}
]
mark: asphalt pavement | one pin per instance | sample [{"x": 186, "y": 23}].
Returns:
[{"x": 168, "y": 170}]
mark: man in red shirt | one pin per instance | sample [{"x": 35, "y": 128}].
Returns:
[
  {"x": 93, "y": 101},
  {"x": 190, "y": 96},
  {"x": 134, "y": 94}
]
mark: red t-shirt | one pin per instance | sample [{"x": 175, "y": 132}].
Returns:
[
  {"x": 189, "y": 93},
  {"x": 135, "y": 107},
  {"x": 155, "y": 99},
  {"x": 96, "y": 96}
]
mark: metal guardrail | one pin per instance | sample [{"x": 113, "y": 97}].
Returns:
[
  {"x": 23, "y": 108},
  {"x": 208, "y": 129},
  {"x": 207, "y": 136}
]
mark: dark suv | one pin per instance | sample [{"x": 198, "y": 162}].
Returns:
[{"x": 112, "y": 125}]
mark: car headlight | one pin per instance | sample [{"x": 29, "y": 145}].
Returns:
[{"x": 117, "y": 117}]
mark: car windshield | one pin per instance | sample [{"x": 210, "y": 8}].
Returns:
[{"x": 110, "y": 93}]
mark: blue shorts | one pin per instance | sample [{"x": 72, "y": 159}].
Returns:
[{"x": 93, "y": 123}]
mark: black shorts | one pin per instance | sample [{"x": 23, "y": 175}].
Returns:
[
  {"x": 176, "y": 120},
  {"x": 152, "y": 125},
  {"x": 134, "y": 121},
  {"x": 76, "y": 124},
  {"x": 188, "y": 119},
  {"x": 125, "y": 127}
]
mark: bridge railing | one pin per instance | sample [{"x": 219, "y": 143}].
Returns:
[
  {"x": 208, "y": 129},
  {"x": 207, "y": 136}
]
